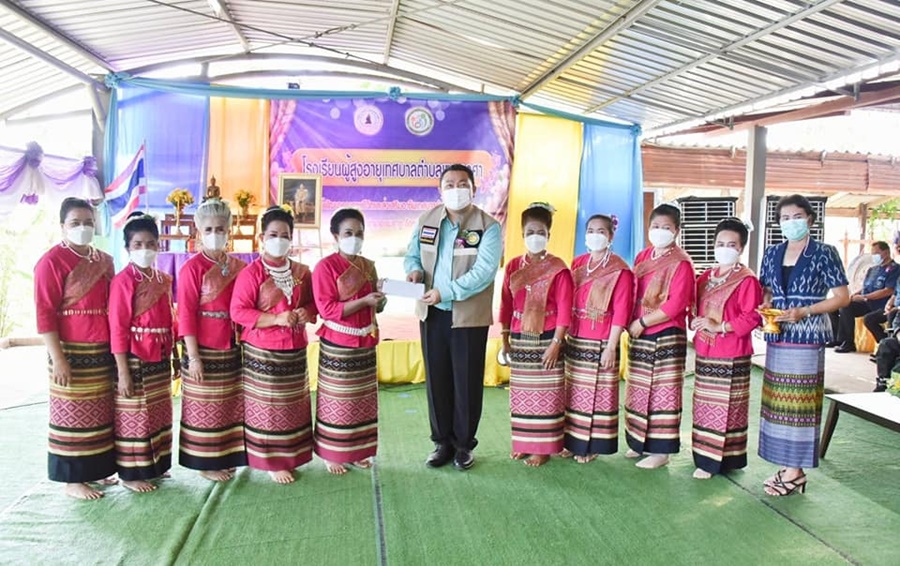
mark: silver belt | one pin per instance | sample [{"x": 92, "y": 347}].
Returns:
[
  {"x": 74, "y": 312},
  {"x": 349, "y": 329},
  {"x": 141, "y": 330},
  {"x": 214, "y": 314}
]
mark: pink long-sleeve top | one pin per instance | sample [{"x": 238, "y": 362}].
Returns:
[
  {"x": 558, "y": 308},
  {"x": 740, "y": 313},
  {"x": 250, "y": 300},
  {"x": 71, "y": 295},
  {"x": 330, "y": 304},
  {"x": 204, "y": 300},
  {"x": 140, "y": 314},
  {"x": 679, "y": 299},
  {"x": 621, "y": 304}
]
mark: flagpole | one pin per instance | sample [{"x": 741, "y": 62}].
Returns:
[{"x": 146, "y": 178}]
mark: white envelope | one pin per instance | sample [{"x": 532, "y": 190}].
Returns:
[{"x": 403, "y": 288}]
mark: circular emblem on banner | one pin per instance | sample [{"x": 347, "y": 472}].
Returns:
[
  {"x": 368, "y": 120},
  {"x": 419, "y": 120},
  {"x": 472, "y": 238}
]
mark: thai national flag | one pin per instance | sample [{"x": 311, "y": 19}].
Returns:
[{"x": 124, "y": 194}]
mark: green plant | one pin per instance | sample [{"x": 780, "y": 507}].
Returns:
[{"x": 882, "y": 220}]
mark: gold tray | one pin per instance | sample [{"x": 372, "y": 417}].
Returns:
[{"x": 771, "y": 326}]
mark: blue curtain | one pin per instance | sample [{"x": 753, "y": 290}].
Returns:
[
  {"x": 611, "y": 183},
  {"x": 174, "y": 129}
]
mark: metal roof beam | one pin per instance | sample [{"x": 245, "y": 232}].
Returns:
[
  {"x": 49, "y": 59},
  {"x": 224, "y": 13},
  {"x": 357, "y": 63},
  {"x": 621, "y": 23},
  {"x": 57, "y": 35},
  {"x": 762, "y": 32},
  {"x": 389, "y": 38},
  {"x": 334, "y": 74}
]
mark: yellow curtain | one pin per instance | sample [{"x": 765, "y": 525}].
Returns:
[
  {"x": 238, "y": 142},
  {"x": 546, "y": 167}
]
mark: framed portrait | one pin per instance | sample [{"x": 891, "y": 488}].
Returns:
[{"x": 303, "y": 194}]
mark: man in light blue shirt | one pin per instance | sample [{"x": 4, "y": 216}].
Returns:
[{"x": 455, "y": 251}]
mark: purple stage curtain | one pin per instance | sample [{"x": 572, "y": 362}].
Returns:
[{"x": 28, "y": 176}]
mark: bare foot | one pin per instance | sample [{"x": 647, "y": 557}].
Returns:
[
  {"x": 585, "y": 459},
  {"x": 283, "y": 477},
  {"x": 336, "y": 469},
  {"x": 653, "y": 461},
  {"x": 231, "y": 470},
  {"x": 565, "y": 453},
  {"x": 82, "y": 491},
  {"x": 363, "y": 464},
  {"x": 111, "y": 480},
  {"x": 139, "y": 486},
  {"x": 216, "y": 475},
  {"x": 536, "y": 460},
  {"x": 517, "y": 455},
  {"x": 632, "y": 454},
  {"x": 701, "y": 474}
]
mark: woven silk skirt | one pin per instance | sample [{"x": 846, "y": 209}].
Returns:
[
  {"x": 346, "y": 404},
  {"x": 791, "y": 408},
  {"x": 82, "y": 443},
  {"x": 720, "y": 406},
  {"x": 277, "y": 414},
  {"x": 592, "y": 399},
  {"x": 537, "y": 399},
  {"x": 653, "y": 392},
  {"x": 212, "y": 413},
  {"x": 144, "y": 421}
]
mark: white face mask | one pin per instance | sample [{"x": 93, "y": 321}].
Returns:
[
  {"x": 80, "y": 235},
  {"x": 726, "y": 256},
  {"x": 214, "y": 242},
  {"x": 350, "y": 245},
  {"x": 596, "y": 242},
  {"x": 277, "y": 247},
  {"x": 456, "y": 199},
  {"x": 142, "y": 258},
  {"x": 660, "y": 237},
  {"x": 876, "y": 259},
  {"x": 536, "y": 243}
]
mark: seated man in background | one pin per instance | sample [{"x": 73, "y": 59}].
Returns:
[
  {"x": 875, "y": 320},
  {"x": 880, "y": 281},
  {"x": 887, "y": 357}
]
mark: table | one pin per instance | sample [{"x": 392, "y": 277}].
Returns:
[
  {"x": 879, "y": 408},
  {"x": 171, "y": 262}
]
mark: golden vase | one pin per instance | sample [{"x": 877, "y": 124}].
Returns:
[{"x": 770, "y": 325}]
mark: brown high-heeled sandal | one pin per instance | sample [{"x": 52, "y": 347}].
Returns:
[{"x": 785, "y": 488}]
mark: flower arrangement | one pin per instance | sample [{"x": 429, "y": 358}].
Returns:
[
  {"x": 244, "y": 199},
  {"x": 180, "y": 198},
  {"x": 287, "y": 208}
]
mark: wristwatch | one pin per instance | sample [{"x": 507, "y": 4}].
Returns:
[{"x": 556, "y": 340}]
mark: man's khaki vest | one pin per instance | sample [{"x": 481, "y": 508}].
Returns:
[{"x": 476, "y": 310}]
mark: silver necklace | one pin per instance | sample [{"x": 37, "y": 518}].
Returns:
[
  {"x": 154, "y": 274},
  {"x": 282, "y": 277},
  {"x": 91, "y": 254},
  {"x": 654, "y": 256},
  {"x": 714, "y": 281},
  {"x": 603, "y": 261},
  {"x": 223, "y": 265}
]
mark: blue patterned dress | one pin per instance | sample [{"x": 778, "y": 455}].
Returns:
[{"x": 793, "y": 383}]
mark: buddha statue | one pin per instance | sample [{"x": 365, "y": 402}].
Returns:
[{"x": 212, "y": 191}]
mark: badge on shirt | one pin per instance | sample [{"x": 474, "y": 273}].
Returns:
[
  {"x": 471, "y": 238},
  {"x": 428, "y": 235}
]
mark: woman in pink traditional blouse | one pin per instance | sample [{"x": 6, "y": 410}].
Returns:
[
  {"x": 71, "y": 296},
  {"x": 140, "y": 324},
  {"x": 212, "y": 403},
  {"x": 727, "y": 298},
  {"x": 345, "y": 285},
  {"x": 664, "y": 294},
  {"x": 273, "y": 302},
  {"x": 604, "y": 299},
  {"x": 535, "y": 309}
]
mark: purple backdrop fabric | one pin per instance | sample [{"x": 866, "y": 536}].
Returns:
[{"x": 384, "y": 156}]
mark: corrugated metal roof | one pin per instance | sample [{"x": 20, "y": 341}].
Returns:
[{"x": 661, "y": 63}]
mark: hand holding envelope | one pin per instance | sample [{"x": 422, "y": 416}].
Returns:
[{"x": 403, "y": 289}]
